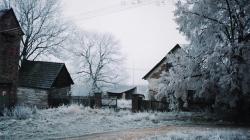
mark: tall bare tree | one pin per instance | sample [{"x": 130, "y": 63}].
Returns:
[
  {"x": 41, "y": 23},
  {"x": 97, "y": 59}
]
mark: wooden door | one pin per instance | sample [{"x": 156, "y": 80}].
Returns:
[{"x": 4, "y": 96}]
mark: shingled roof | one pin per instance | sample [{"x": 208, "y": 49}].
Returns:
[{"x": 40, "y": 74}]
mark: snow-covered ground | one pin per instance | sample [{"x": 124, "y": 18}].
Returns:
[
  {"x": 208, "y": 134},
  {"x": 76, "y": 120},
  {"x": 124, "y": 104}
]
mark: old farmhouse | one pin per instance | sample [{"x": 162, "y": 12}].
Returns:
[
  {"x": 188, "y": 90},
  {"x": 10, "y": 37},
  {"x": 154, "y": 75},
  {"x": 43, "y": 84}
]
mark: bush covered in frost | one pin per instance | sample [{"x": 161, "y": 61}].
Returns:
[{"x": 20, "y": 112}]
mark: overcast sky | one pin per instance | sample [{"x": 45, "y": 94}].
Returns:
[{"x": 146, "y": 31}]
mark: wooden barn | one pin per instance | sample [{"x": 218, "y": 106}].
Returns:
[
  {"x": 10, "y": 37},
  {"x": 43, "y": 84}
]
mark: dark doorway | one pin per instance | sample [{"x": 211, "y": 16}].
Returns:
[{"x": 4, "y": 96}]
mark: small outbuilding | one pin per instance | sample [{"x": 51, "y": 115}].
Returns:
[
  {"x": 43, "y": 84},
  {"x": 122, "y": 92}
]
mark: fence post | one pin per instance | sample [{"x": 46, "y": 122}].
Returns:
[
  {"x": 98, "y": 100},
  {"x": 116, "y": 103},
  {"x": 135, "y": 104}
]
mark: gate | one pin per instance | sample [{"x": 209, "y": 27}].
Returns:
[{"x": 109, "y": 102}]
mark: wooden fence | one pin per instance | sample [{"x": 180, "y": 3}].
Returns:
[
  {"x": 109, "y": 102},
  {"x": 147, "y": 105},
  {"x": 83, "y": 100},
  {"x": 95, "y": 101},
  {"x": 138, "y": 104}
]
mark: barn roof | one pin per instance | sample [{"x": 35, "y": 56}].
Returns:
[
  {"x": 176, "y": 47},
  {"x": 121, "y": 89},
  {"x": 10, "y": 12},
  {"x": 40, "y": 74}
]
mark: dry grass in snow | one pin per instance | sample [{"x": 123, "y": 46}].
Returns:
[{"x": 75, "y": 120}]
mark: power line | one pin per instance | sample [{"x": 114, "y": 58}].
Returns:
[
  {"x": 101, "y": 13},
  {"x": 112, "y": 7},
  {"x": 94, "y": 11}
]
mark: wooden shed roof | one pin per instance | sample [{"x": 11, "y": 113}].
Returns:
[
  {"x": 40, "y": 74},
  {"x": 121, "y": 89}
]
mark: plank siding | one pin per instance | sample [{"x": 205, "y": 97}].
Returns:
[
  {"x": 59, "y": 96},
  {"x": 32, "y": 97}
]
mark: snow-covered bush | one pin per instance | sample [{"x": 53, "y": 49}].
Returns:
[
  {"x": 20, "y": 112},
  {"x": 175, "y": 82}
]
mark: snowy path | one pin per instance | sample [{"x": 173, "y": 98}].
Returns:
[{"x": 159, "y": 132}]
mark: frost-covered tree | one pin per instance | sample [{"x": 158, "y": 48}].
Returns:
[
  {"x": 217, "y": 30},
  {"x": 178, "y": 78},
  {"x": 97, "y": 59}
]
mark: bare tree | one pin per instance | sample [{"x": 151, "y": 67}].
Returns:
[
  {"x": 41, "y": 23},
  {"x": 97, "y": 59}
]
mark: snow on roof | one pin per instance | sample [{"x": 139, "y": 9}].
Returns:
[{"x": 121, "y": 88}]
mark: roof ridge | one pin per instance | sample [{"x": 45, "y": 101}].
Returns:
[
  {"x": 57, "y": 74},
  {"x": 45, "y": 62}
]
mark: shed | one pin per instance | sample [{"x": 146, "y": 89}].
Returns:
[
  {"x": 44, "y": 84},
  {"x": 122, "y": 91}
]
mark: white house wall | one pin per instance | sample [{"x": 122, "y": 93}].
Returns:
[
  {"x": 153, "y": 87},
  {"x": 153, "y": 82}
]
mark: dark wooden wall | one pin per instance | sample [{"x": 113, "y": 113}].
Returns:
[
  {"x": 9, "y": 53},
  {"x": 59, "y": 96},
  {"x": 63, "y": 79}
]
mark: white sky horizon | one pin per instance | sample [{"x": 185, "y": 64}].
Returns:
[{"x": 146, "y": 31}]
